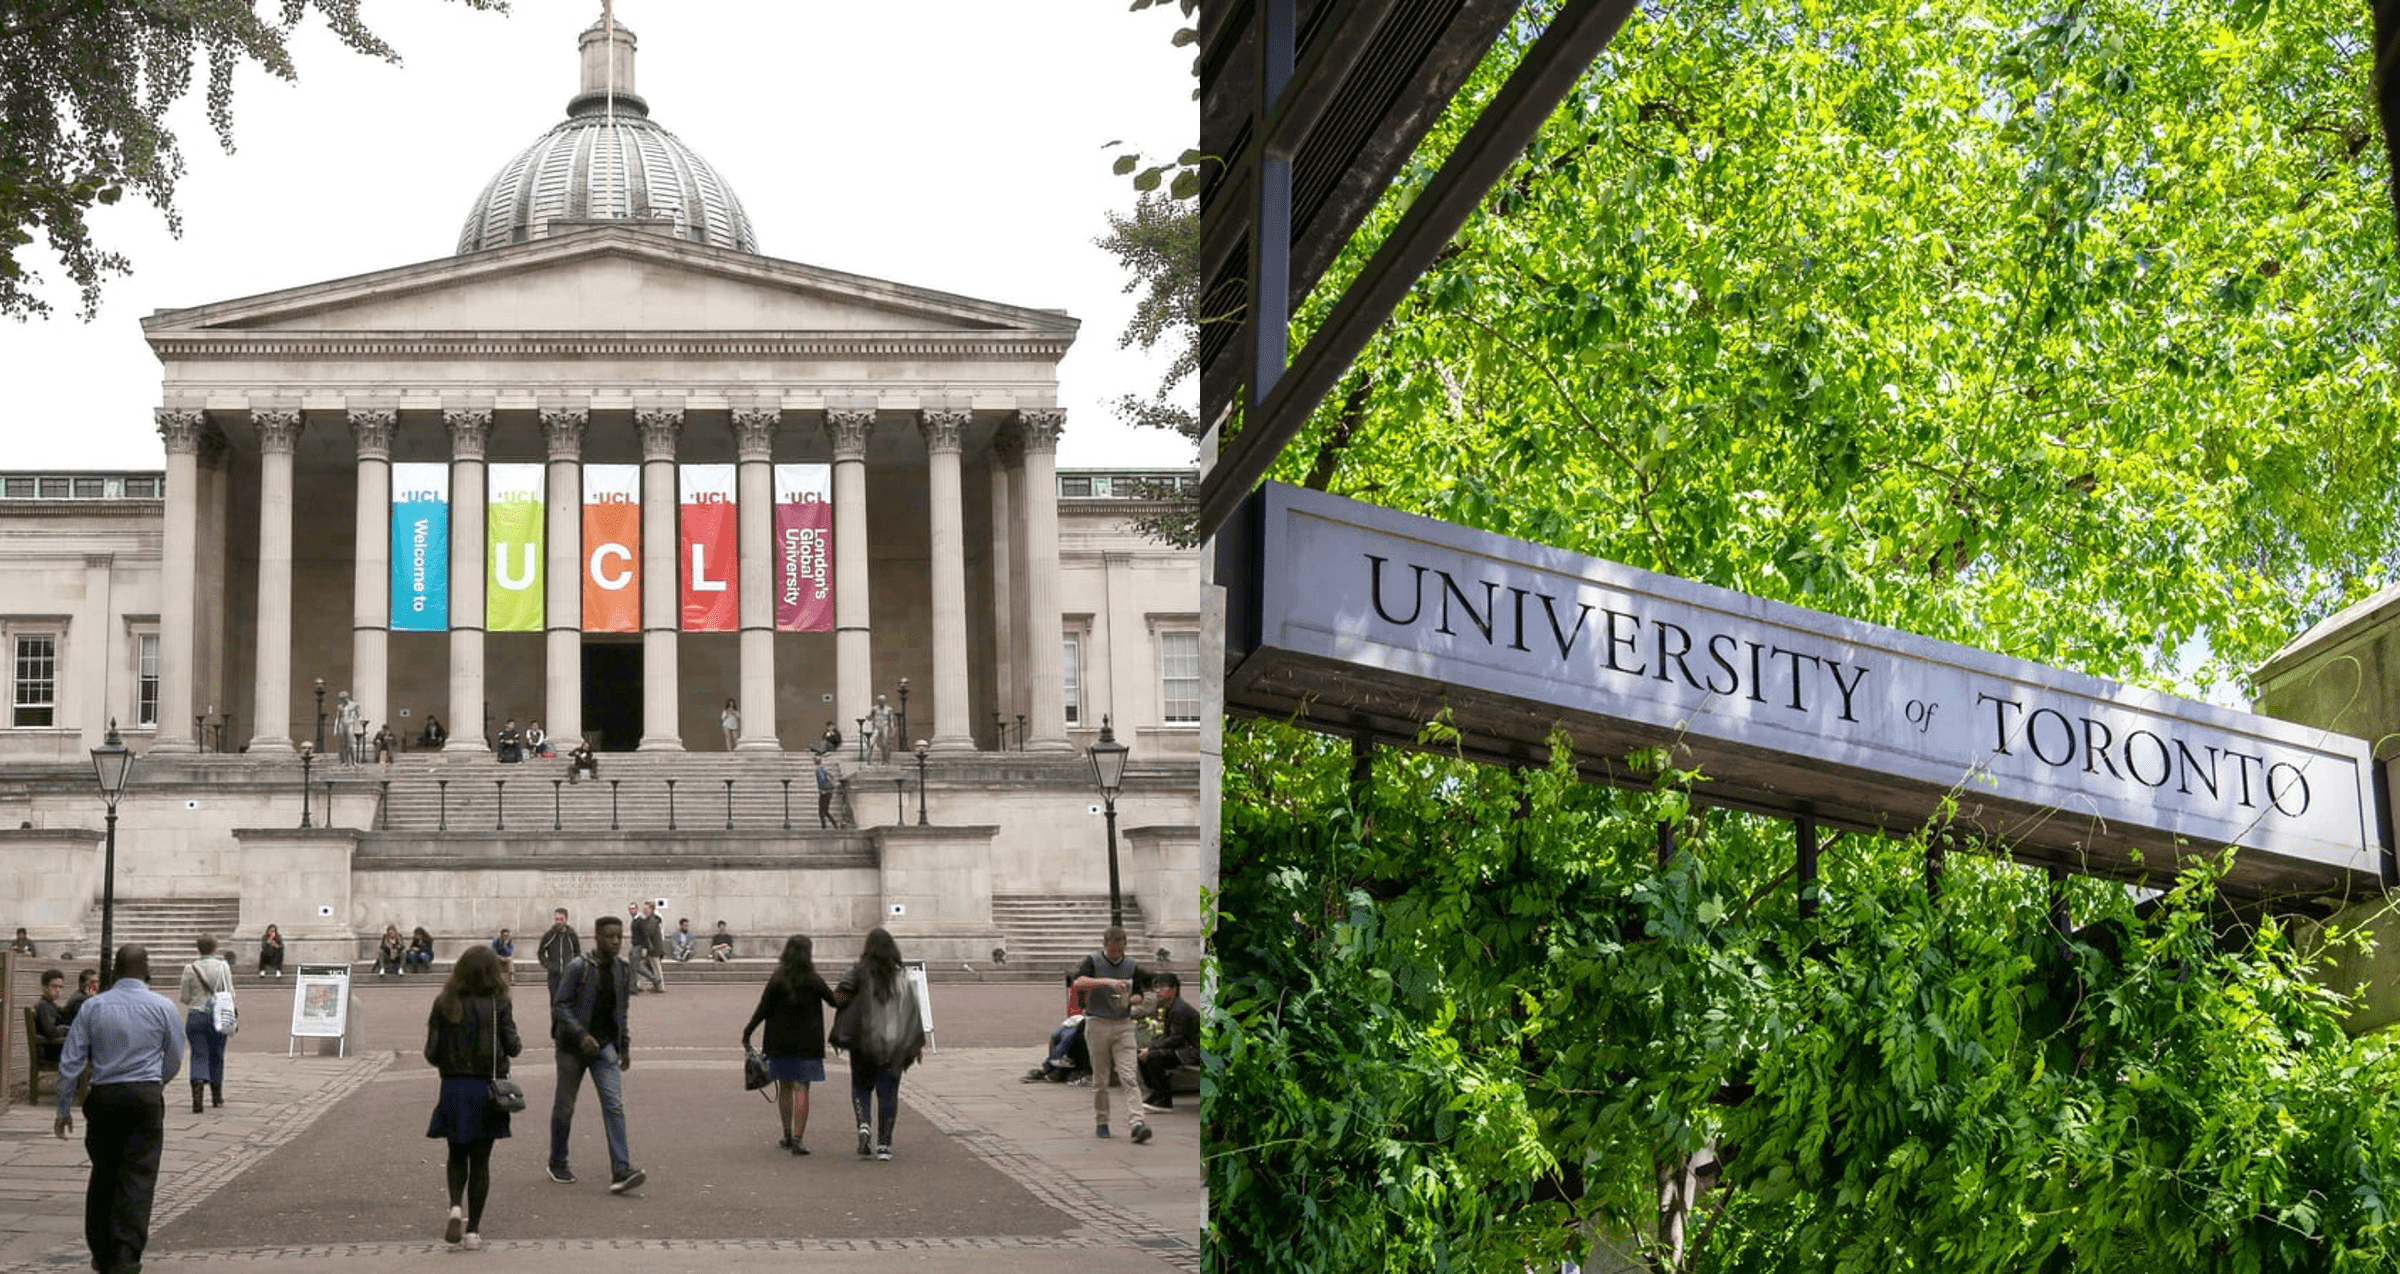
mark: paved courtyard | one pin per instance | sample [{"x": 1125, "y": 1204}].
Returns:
[{"x": 321, "y": 1163}]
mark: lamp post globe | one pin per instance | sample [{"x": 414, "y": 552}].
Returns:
[
  {"x": 320, "y": 714},
  {"x": 1108, "y": 771},
  {"x": 308, "y": 754},
  {"x": 112, "y": 764}
]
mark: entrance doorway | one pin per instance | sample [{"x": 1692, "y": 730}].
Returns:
[{"x": 612, "y": 694}]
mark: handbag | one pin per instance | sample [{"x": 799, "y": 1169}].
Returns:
[
  {"x": 508, "y": 1096},
  {"x": 754, "y": 1070},
  {"x": 844, "y": 1034},
  {"x": 221, "y": 1013}
]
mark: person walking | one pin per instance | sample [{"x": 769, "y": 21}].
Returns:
[
  {"x": 590, "y": 1023},
  {"x": 1109, "y": 979},
  {"x": 558, "y": 949},
  {"x": 469, "y": 1037},
  {"x": 824, "y": 793},
  {"x": 198, "y": 988},
  {"x": 128, "y": 1041},
  {"x": 792, "y": 1007},
  {"x": 649, "y": 943},
  {"x": 881, "y": 1026}
]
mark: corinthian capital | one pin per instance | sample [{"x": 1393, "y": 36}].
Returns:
[
  {"x": 278, "y": 431},
  {"x": 1008, "y": 447},
  {"x": 661, "y": 430},
  {"x": 849, "y": 430},
  {"x": 372, "y": 432},
  {"x": 754, "y": 434},
  {"x": 562, "y": 428},
  {"x": 469, "y": 431},
  {"x": 1040, "y": 427},
  {"x": 182, "y": 430},
  {"x": 941, "y": 430}
]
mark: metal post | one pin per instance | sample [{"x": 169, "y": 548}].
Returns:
[
  {"x": 861, "y": 736},
  {"x": 787, "y": 805},
  {"x": 320, "y": 714},
  {"x": 1807, "y": 828},
  {"x": 306, "y": 756},
  {"x": 729, "y": 805},
  {"x": 444, "y": 824},
  {"x": 1116, "y": 901},
  {"x": 670, "y": 805},
  {"x": 612, "y": 803},
  {"x": 999, "y": 731},
  {"x": 901, "y": 728},
  {"x": 200, "y": 729},
  {"x": 921, "y": 789},
  {"x": 499, "y": 805},
  {"x": 1020, "y": 732},
  {"x": 383, "y": 807},
  {"x": 899, "y": 801},
  {"x": 555, "y": 784},
  {"x": 108, "y": 902}
]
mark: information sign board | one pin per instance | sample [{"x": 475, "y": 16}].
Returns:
[
  {"x": 1355, "y": 618},
  {"x": 320, "y": 1004}
]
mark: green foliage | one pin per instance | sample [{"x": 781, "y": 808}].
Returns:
[
  {"x": 85, "y": 86},
  {"x": 2064, "y": 331}
]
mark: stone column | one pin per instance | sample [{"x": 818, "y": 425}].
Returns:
[
  {"x": 662, "y": 603},
  {"x": 853, "y": 670},
  {"x": 754, "y": 449},
  {"x": 371, "y": 582},
  {"x": 949, "y": 571},
  {"x": 271, "y": 695},
  {"x": 470, "y": 431},
  {"x": 179, "y": 565},
  {"x": 1008, "y": 629},
  {"x": 562, "y": 569},
  {"x": 1047, "y": 668}
]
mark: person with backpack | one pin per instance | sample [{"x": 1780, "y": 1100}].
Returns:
[
  {"x": 197, "y": 989},
  {"x": 469, "y": 1037},
  {"x": 884, "y": 1030}
]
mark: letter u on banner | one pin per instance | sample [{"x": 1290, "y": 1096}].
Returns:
[
  {"x": 420, "y": 548},
  {"x": 513, "y": 531},
  {"x": 804, "y": 548},
  {"x": 711, "y": 538},
  {"x": 612, "y": 548}
]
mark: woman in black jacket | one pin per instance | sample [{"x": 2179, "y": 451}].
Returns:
[
  {"x": 469, "y": 1037},
  {"x": 792, "y": 1006}
]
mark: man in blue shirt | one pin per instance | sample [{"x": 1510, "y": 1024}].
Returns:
[{"x": 130, "y": 1038}]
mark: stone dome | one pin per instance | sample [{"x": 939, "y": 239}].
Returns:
[{"x": 606, "y": 162}]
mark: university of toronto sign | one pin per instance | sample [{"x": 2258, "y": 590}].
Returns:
[{"x": 1358, "y": 619}]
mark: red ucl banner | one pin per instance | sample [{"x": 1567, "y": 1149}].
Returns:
[
  {"x": 711, "y": 540},
  {"x": 804, "y": 548}
]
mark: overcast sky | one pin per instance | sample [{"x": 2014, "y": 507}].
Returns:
[{"x": 950, "y": 144}]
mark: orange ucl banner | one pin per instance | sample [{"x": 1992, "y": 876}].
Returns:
[
  {"x": 710, "y": 547},
  {"x": 612, "y": 548}
]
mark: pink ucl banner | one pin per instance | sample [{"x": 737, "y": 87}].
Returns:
[{"x": 804, "y": 548}]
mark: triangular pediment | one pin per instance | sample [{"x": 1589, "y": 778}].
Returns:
[{"x": 608, "y": 280}]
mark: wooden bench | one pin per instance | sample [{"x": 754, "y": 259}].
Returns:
[{"x": 35, "y": 1063}]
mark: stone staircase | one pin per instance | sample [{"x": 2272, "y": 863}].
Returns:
[
  {"x": 167, "y": 926},
  {"x": 683, "y": 791},
  {"x": 1048, "y": 934}
]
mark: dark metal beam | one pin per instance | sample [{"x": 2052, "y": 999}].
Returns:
[{"x": 1579, "y": 34}]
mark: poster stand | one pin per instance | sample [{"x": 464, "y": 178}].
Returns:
[
  {"x": 916, "y": 979},
  {"x": 320, "y": 1006}
]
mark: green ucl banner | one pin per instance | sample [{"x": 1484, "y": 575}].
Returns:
[{"x": 512, "y": 595}]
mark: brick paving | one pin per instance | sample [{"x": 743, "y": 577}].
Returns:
[{"x": 319, "y": 1164}]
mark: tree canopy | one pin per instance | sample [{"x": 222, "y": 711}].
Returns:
[
  {"x": 2059, "y": 330},
  {"x": 85, "y": 87}
]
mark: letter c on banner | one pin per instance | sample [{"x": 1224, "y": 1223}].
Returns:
[{"x": 622, "y": 577}]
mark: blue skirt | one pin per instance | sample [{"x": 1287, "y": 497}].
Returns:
[
  {"x": 797, "y": 1070},
  {"x": 465, "y": 1112}
]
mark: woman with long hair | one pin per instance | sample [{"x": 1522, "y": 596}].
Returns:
[
  {"x": 469, "y": 1037},
  {"x": 885, "y": 1036},
  {"x": 792, "y": 1007},
  {"x": 197, "y": 989},
  {"x": 270, "y": 952},
  {"x": 420, "y": 950}
]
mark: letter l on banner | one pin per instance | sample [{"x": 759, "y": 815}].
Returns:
[{"x": 711, "y": 540}]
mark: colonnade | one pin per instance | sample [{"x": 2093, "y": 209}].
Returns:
[{"x": 1028, "y": 638}]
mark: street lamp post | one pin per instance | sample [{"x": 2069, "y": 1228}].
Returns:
[
  {"x": 308, "y": 754},
  {"x": 112, "y": 762},
  {"x": 922, "y": 748},
  {"x": 861, "y": 736},
  {"x": 320, "y": 714},
  {"x": 901, "y": 728},
  {"x": 1108, "y": 769}
]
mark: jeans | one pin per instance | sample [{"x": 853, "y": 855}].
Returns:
[
  {"x": 610, "y": 1083},
  {"x": 207, "y": 1044},
  {"x": 877, "y": 1094}
]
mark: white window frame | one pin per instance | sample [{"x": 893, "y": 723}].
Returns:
[
  {"x": 1076, "y": 632},
  {"x": 139, "y": 634},
  {"x": 1178, "y": 626},
  {"x": 13, "y": 634}
]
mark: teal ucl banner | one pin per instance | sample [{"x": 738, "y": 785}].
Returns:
[{"x": 420, "y": 548}]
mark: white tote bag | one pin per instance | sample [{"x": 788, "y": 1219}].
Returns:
[{"x": 221, "y": 1008}]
